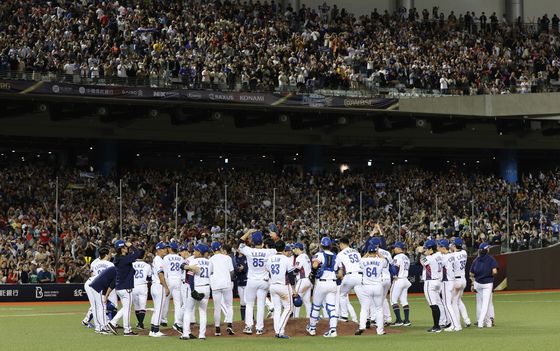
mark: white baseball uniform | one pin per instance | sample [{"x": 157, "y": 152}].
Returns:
[
  {"x": 222, "y": 287},
  {"x": 173, "y": 274},
  {"x": 278, "y": 266},
  {"x": 386, "y": 282},
  {"x": 460, "y": 284},
  {"x": 201, "y": 284},
  {"x": 157, "y": 290},
  {"x": 140, "y": 291},
  {"x": 432, "y": 284},
  {"x": 325, "y": 290},
  {"x": 449, "y": 298},
  {"x": 257, "y": 283},
  {"x": 399, "y": 290},
  {"x": 370, "y": 292},
  {"x": 303, "y": 284},
  {"x": 98, "y": 310},
  {"x": 348, "y": 260}
]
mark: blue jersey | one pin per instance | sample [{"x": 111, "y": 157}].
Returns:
[
  {"x": 125, "y": 271},
  {"x": 104, "y": 280},
  {"x": 482, "y": 269},
  {"x": 240, "y": 274}
]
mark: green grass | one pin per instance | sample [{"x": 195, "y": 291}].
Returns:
[{"x": 525, "y": 321}]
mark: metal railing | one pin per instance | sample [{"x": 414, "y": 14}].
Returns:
[{"x": 365, "y": 88}]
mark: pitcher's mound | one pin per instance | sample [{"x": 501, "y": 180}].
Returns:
[{"x": 295, "y": 327}]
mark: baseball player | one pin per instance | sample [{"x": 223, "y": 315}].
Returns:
[
  {"x": 280, "y": 268},
  {"x": 143, "y": 273},
  {"x": 323, "y": 272},
  {"x": 371, "y": 290},
  {"x": 448, "y": 283},
  {"x": 173, "y": 273},
  {"x": 303, "y": 284},
  {"x": 124, "y": 282},
  {"x": 241, "y": 270},
  {"x": 199, "y": 282},
  {"x": 159, "y": 289},
  {"x": 386, "y": 281},
  {"x": 103, "y": 282},
  {"x": 482, "y": 273},
  {"x": 257, "y": 279},
  {"x": 96, "y": 267},
  {"x": 433, "y": 266},
  {"x": 399, "y": 290},
  {"x": 222, "y": 287},
  {"x": 348, "y": 267},
  {"x": 460, "y": 281}
]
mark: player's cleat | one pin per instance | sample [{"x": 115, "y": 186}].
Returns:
[
  {"x": 467, "y": 325},
  {"x": 103, "y": 332},
  {"x": 260, "y": 332},
  {"x": 202, "y": 338},
  {"x": 157, "y": 334},
  {"x": 450, "y": 329},
  {"x": 434, "y": 330},
  {"x": 218, "y": 332},
  {"x": 184, "y": 338},
  {"x": 112, "y": 328},
  {"x": 282, "y": 336},
  {"x": 386, "y": 324},
  {"x": 130, "y": 333},
  {"x": 355, "y": 321},
  {"x": 163, "y": 324},
  {"x": 445, "y": 326},
  {"x": 230, "y": 331},
  {"x": 310, "y": 330},
  {"x": 397, "y": 324},
  {"x": 368, "y": 324},
  {"x": 343, "y": 319},
  {"x": 407, "y": 323},
  {"x": 118, "y": 326},
  {"x": 493, "y": 324},
  {"x": 192, "y": 336},
  {"x": 330, "y": 334},
  {"x": 85, "y": 323},
  {"x": 177, "y": 327},
  {"x": 140, "y": 326},
  {"x": 359, "y": 332},
  {"x": 382, "y": 333},
  {"x": 248, "y": 330}
]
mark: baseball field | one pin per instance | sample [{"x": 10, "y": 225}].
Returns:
[{"x": 524, "y": 321}]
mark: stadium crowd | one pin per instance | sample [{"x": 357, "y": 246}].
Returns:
[
  {"x": 31, "y": 250},
  {"x": 260, "y": 46}
]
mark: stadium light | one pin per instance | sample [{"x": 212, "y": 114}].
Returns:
[
  {"x": 226, "y": 161},
  {"x": 369, "y": 163},
  {"x": 344, "y": 168}
]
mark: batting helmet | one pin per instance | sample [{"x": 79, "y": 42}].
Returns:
[{"x": 297, "y": 301}]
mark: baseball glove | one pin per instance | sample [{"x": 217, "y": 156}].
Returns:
[{"x": 196, "y": 295}]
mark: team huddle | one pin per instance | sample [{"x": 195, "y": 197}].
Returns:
[{"x": 261, "y": 268}]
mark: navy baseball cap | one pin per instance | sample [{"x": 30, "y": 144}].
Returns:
[
  {"x": 174, "y": 246},
  {"x": 161, "y": 245},
  {"x": 298, "y": 246},
  {"x": 399, "y": 244},
  {"x": 444, "y": 243},
  {"x": 483, "y": 246},
  {"x": 429, "y": 243},
  {"x": 372, "y": 248},
  {"x": 458, "y": 242},
  {"x": 326, "y": 241},
  {"x": 216, "y": 246},
  {"x": 257, "y": 237},
  {"x": 202, "y": 248},
  {"x": 375, "y": 241},
  {"x": 288, "y": 247},
  {"x": 183, "y": 248},
  {"x": 119, "y": 244}
]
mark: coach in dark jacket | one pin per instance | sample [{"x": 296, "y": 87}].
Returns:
[{"x": 126, "y": 255}]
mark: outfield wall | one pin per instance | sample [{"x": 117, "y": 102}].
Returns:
[{"x": 534, "y": 269}]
